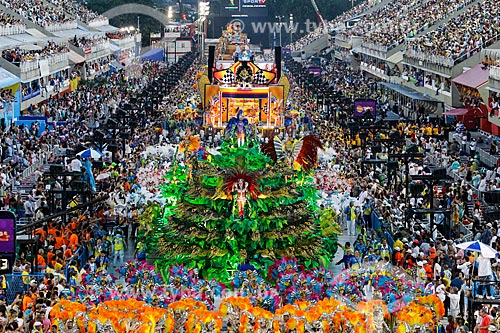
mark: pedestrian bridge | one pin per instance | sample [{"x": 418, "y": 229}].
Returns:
[{"x": 136, "y": 8}]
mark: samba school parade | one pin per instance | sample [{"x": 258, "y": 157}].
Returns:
[
  {"x": 344, "y": 179},
  {"x": 239, "y": 238}
]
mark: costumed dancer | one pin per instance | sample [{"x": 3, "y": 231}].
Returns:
[
  {"x": 241, "y": 187},
  {"x": 238, "y": 125}
]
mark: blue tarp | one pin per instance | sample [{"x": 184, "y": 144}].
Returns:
[
  {"x": 89, "y": 175},
  {"x": 153, "y": 54},
  {"x": 377, "y": 225}
]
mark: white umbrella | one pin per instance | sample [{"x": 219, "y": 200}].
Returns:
[
  {"x": 90, "y": 153},
  {"x": 476, "y": 246},
  {"x": 102, "y": 176}
]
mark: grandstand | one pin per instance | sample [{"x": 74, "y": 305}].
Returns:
[
  {"x": 419, "y": 48},
  {"x": 47, "y": 44},
  {"x": 437, "y": 55}
]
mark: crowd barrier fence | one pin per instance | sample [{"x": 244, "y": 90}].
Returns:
[{"x": 17, "y": 283}]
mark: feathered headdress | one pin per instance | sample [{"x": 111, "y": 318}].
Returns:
[{"x": 304, "y": 152}]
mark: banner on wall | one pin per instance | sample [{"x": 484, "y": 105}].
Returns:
[
  {"x": 11, "y": 107},
  {"x": 73, "y": 83},
  {"x": 44, "y": 67},
  {"x": 365, "y": 108}
]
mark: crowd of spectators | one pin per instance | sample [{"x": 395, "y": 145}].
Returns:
[
  {"x": 352, "y": 84},
  {"x": 468, "y": 33},
  {"x": 423, "y": 16},
  {"x": 337, "y": 23},
  {"x": 120, "y": 34},
  {"x": 39, "y": 12},
  {"x": 387, "y": 27},
  {"x": 23, "y": 146},
  {"x": 19, "y": 55},
  {"x": 78, "y": 10},
  {"x": 355, "y": 11},
  {"x": 59, "y": 245},
  {"x": 6, "y": 95},
  {"x": 19, "y": 148},
  {"x": 308, "y": 38},
  {"x": 8, "y": 20},
  {"x": 455, "y": 275},
  {"x": 88, "y": 42},
  {"x": 385, "y": 15},
  {"x": 432, "y": 257}
]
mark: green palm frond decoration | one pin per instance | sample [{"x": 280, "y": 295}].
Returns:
[{"x": 202, "y": 226}]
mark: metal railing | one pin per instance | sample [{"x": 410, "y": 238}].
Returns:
[
  {"x": 44, "y": 157},
  {"x": 459, "y": 178},
  {"x": 488, "y": 287},
  {"x": 447, "y": 61},
  {"x": 431, "y": 58},
  {"x": 375, "y": 47},
  {"x": 18, "y": 283},
  {"x": 33, "y": 64},
  {"x": 12, "y": 30},
  {"x": 495, "y": 72},
  {"x": 98, "y": 22},
  {"x": 51, "y": 27}
]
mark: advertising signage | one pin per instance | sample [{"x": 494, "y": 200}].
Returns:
[
  {"x": 365, "y": 108},
  {"x": 7, "y": 241},
  {"x": 243, "y": 8}
]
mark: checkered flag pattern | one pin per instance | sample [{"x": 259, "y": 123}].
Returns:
[
  {"x": 259, "y": 78},
  {"x": 229, "y": 78}
]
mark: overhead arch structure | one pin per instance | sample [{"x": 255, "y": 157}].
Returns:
[{"x": 136, "y": 8}]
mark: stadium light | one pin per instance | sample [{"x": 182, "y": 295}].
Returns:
[
  {"x": 280, "y": 25},
  {"x": 203, "y": 12},
  {"x": 203, "y": 9}
]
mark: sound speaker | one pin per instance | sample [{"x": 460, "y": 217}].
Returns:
[
  {"x": 211, "y": 59},
  {"x": 438, "y": 171},
  {"x": 492, "y": 197},
  {"x": 56, "y": 168},
  {"x": 412, "y": 149},
  {"x": 277, "y": 59}
]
